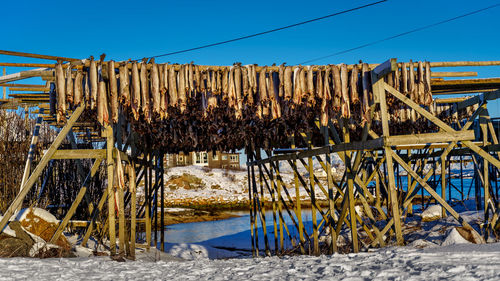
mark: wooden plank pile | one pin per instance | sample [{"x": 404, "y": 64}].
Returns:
[{"x": 191, "y": 107}]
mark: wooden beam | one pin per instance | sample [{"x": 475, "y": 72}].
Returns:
[
  {"x": 384, "y": 68},
  {"x": 429, "y": 138},
  {"x": 454, "y": 74},
  {"x": 36, "y": 56},
  {"x": 79, "y": 154}
]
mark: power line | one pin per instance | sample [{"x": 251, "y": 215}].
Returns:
[
  {"x": 269, "y": 31},
  {"x": 401, "y": 34}
]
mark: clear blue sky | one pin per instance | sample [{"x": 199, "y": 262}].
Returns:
[{"x": 135, "y": 29}]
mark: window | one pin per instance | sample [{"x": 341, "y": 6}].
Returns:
[
  {"x": 224, "y": 157},
  {"x": 233, "y": 166},
  {"x": 215, "y": 156},
  {"x": 233, "y": 158}
]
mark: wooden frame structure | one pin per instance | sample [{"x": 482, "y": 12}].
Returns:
[{"x": 373, "y": 159}]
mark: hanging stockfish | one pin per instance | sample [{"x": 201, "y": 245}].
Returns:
[
  {"x": 281, "y": 79},
  {"x": 155, "y": 86},
  {"x": 78, "y": 87},
  {"x": 124, "y": 84},
  {"x": 427, "y": 84},
  {"x": 323, "y": 92},
  {"x": 102, "y": 101},
  {"x": 119, "y": 172},
  {"x": 69, "y": 86},
  {"x": 238, "y": 87},
  {"x": 346, "y": 108},
  {"x": 163, "y": 90},
  {"x": 113, "y": 91},
  {"x": 288, "y": 83},
  {"x": 337, "y": 88},
  {"x": 366, "y": 81},
  {"x": 231, "y": 89},
  {"x": 353, "y": 87},
  {"x": 310, "y": 87},
  {"x": 263, "y": 97},
  {"x": 204, "y": 95},
  {"x": 86, "y": 89},
  {"x": 191, "y": 88},
  {"x": 136, "y": 91},
  {"x": 145, "y": 105},
  {"x": 397, "y": 79},
  {"x": 319, "y": 83},
  {"x": 61, "y": 92},
  {"x": 296, "y": 85},
  {"x": 421, "y": 84},
  {"x": 198, "y": 78},
  {"x": 273, "y": 96},
  {"x": 182, "y": 88},
  {"x": 303, "y": 84},
  {"x": 245, "y": 84},
  {"x": 212, "y": 99},
  {"x": 218, "y": 80},
  {"x": 172, "y": 86},
  {"x": 404, "y": 75},
  {"x": 225, "y": 83},
  {"x": 412, "y": 89},
  {"x": 404, "y": 87},
  {"x": 93, "y": 82}
]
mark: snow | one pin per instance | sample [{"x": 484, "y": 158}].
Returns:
[
  {"x": 461, "y": 262},
  {"x": 41, "y": 213},
  {"x": 454, "y": 237},
  {"x": 228, "y": 186}
]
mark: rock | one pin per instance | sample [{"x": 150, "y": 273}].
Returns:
[
  {"x": 42, "y": 224},
  {"x": 18, "y": 246},
  {"x": 14, "y": 247},
  {"x": 432, "y": 213}
]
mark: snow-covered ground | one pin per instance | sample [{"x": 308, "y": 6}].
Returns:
[
  {"x": 227, "y": 186},
  {"x": 456, "y": 262}
]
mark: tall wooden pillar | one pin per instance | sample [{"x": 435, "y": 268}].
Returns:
[{"x": 111, "y": 193}]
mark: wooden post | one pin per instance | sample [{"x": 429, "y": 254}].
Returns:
[
  {"x": 262, "y": 206},
  {"x": 379, "y": 92},
  {"x": 111, "y": 193},
  {"x": 331, "y": 201},
  {"x": 483, "y": 123},
  {"x": 147, "y": 184},
  {"x": 4, "y": 88},
  {"x": 133, "y": 207},
  {"x": 121, "y": 207},
  {"x": 273, "y": 199},
  {"x": 409, "y": 190},
  {"x": 256, "y": 210},
  {"x": 162, "y": 205},
  {"x": 31, "y": 151},
  {"x": 298, "y": 208},
  {"x": 313, "y": 203},
  {"x": 250, "y": 199},
  {"x": 280, "y": 205},
  {"x": 443, "y": 184}
]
